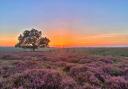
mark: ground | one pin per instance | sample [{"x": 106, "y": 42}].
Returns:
[{"x": 70, "y": 68}]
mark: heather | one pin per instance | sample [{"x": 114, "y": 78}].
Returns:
[{"x": 62, "y": 69}]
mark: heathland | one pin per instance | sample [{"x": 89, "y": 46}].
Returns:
[{"x": 64, "y": 68}]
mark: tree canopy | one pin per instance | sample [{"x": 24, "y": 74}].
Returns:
[{"x": 32, "y": 39}]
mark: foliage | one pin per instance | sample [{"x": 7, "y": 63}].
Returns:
[{"x": 32, "y": 39}]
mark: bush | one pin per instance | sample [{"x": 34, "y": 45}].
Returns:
[
  {"x": 112, "y": 70},
  {"x": 116, "y": 83},
  {"x": 90, "y": 86},
  {"x": 38, "y": 79},
  {"x": 83, "y": 74},
  {"x": 68, "y": 83}
]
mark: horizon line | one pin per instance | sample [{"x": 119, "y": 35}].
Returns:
[{"x": 122, "y": 46}]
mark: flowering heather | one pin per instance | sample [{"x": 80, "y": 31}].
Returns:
[
  {"x": 39, "y": 78},
  {"x": 117, "y": 83},
  {"x": 68, "y": 83},
  {"x": 62, "y": 69}
]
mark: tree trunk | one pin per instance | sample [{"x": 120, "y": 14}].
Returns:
[{"x": 33, "y": 49}]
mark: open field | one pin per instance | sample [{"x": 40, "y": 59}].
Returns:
[{"x": 69, "y": 68}]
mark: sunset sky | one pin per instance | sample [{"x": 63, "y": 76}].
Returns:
[{"x": 67, "y": 23}]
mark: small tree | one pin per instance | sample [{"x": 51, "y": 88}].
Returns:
[{"x": 32, "y": 39}]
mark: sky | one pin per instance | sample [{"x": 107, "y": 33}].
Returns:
[{"x": 67, "y": 23}]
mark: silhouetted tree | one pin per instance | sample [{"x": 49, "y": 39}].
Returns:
[{"x": 32, "y": 39}]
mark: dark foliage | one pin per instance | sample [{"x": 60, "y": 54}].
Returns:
[{"x": 32, "y": 39}]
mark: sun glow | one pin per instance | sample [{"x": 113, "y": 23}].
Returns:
[
  {"x": 8, "y": 40},
  {"x": 66, "y": 38}
]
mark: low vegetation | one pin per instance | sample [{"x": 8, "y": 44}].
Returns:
[{"x": 62, "y": 69}]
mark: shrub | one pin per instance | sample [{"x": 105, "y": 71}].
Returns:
[
  {"x": 68, "y": 83},
  {"x": 84, "y": 74},
  {"x": 10, "y": 57},
  {"x": 90, "y": 86},
  {"x": 38, "y": 79},
  {"x": 116, "y": 83},
  {"x": 83, "y": 61},
  {"x": 112, "y": 70},
  {"x": 67, "y": 67}
]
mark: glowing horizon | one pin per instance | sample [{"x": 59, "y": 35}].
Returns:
[
  {"x": 67, "y": 23},
  {"x": 68, "y": 39}
]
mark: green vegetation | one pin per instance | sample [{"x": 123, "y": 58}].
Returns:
[{"x": 117, "y": 51}]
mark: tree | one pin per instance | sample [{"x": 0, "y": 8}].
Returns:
[{"x": 32, "y": 39}]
